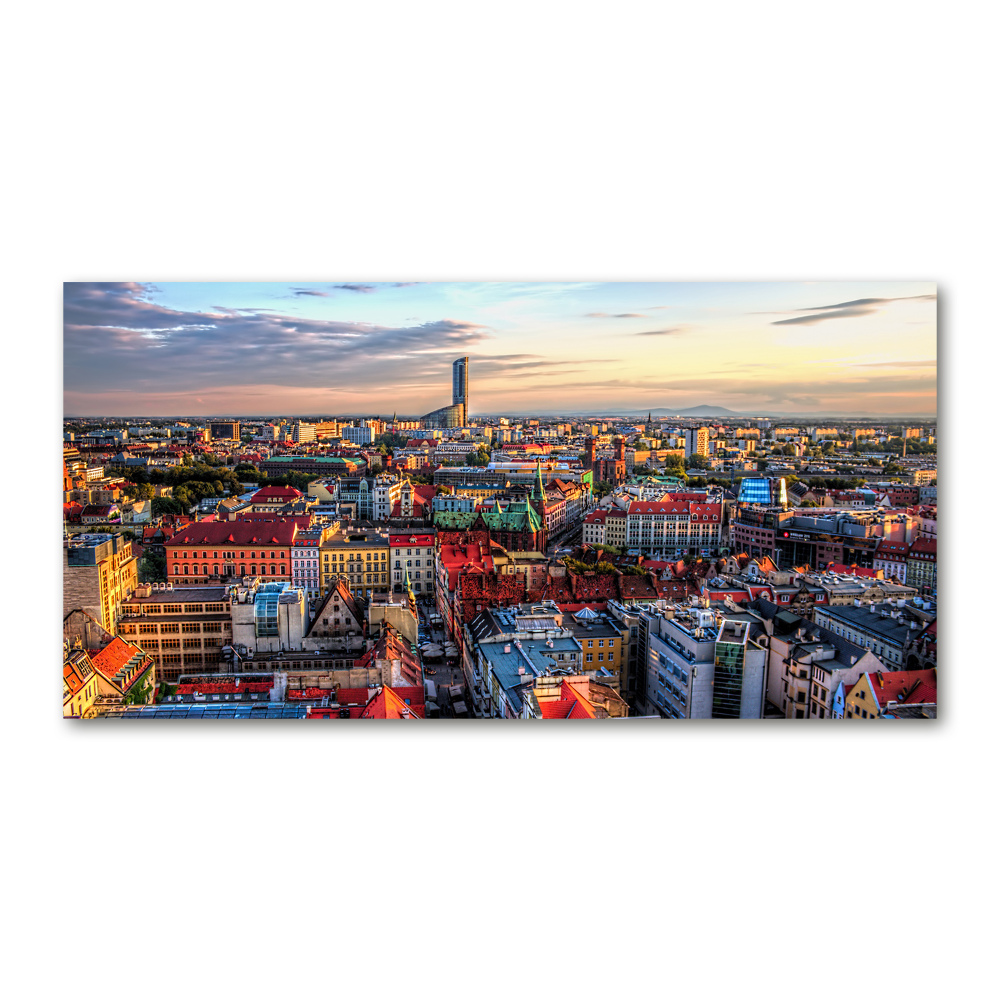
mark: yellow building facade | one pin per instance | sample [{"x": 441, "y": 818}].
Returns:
[{"x": 361, "y": 558}]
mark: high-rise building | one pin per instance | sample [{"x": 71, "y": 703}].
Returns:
[
  {"x": 460, "y": 387},
  {"x": 225, "y": 430},
  {"x": 695, "y": 441},
  {"x": 457, "y": 414},
  {"x": 99, "y": 574}
]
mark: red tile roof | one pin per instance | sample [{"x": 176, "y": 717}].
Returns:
[
  {"x": 906, "y": 687},
  {"x": 276, "y": 494},
  {"x": 411, "y": 539},
  {"x": 115, "y": 655},
  {"x": 924, "y": 546},
  {"x": 236, "y": 533}
]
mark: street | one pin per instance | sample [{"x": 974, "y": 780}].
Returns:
[{"x": 444, "y": 675}]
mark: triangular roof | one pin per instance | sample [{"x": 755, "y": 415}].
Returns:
[{"x": 338, "y": 592}]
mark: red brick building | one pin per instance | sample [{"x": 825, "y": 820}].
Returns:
[{"x": 217, "y": 551}]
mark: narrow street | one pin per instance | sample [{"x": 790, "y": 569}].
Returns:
[{"x": 443, "y": 672}]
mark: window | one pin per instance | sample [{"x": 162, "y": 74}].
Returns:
[
  {"x": 600, "y": 642},
  {"x": 590, "y": 643},
  {"x": 590, "y": 657}
]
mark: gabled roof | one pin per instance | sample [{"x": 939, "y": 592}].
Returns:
[
  {"x": 117, "y": 658},
  {"x": 905, "y": 687},
  {"x": 338, "y": 592},
  {"x": 386, "y": 704}
]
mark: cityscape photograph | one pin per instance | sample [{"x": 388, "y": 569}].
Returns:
[{"x": 500, "y": 500}]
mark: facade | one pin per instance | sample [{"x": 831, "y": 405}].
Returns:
[
  {"x": 890, "y": 557},
  {"x": 358, "y": 435},
  {"x": 183, "y": 629},
  {"x": 884, "y": 628},
  {"x": 460, "y": 387},
  {"x": 763, "y": 491},
  {"x": 921, "y": 565},
  {"x": 412, "y": 554},
  {"x": 100, "y": 573},
  {"x": 613, "y": 470},
  {"x": 672, "y": 529},
  {"x": 360, "y": 556},
  {"x": 702, "y": 666},
  {"x": 80, "y": 685},
  {"x": 593, "y": 528},
  {"x": 616, "y": 528},
  {"x": 696, "y": 441},
  {"x": 224, "y": 430},
  {"x": 312, "y": 465},
  {"x": 216, "y": 552},
  {"x": 268, "y": 617},
  {"x": 901, "y": 694},
  {"x": 339, "y": 615},
  {"x": 305, "y": 559},
  {"x": 807, "y": 663}
]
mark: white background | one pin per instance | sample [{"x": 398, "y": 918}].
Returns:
[{"x": 516, "y": 141}]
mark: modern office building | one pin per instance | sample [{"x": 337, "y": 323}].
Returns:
[
  {"x": 457, "y": 414},
  {"x": 358, "y": 435},
  {"x": 695, "y": 441},
  {"x": 763, "y": 491},
  {"x": 224, "y": 430},
  {"x": 460, "y": 386}
]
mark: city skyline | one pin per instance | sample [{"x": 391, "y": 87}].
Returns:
[{"x": 863, "y": 348}]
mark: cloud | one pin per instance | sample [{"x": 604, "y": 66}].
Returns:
[
  {"x": 670, "y": 331},
  {"x": 114, "y": 336},
  {"x": 405, "y": 284},
  {"x": 895, "y": 364},
  {"x": 820, "y": 317},
  {"x": 311, "y": 291},
  {"x": 617, "y": 315},
  {"x": 845, "y": 310},
  {"x": 356, "y": 288}
]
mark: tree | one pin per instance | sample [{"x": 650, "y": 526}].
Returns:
[
  {"x": 138, "y": 491},
  {"x": 135, "y": 474},
  {"x": 480, "y": 457},
  {"x": 152, "y": 568},
  {"x": 166, "y": 505}
]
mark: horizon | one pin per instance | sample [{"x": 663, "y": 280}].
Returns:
[{"x": 848, "y": 350}]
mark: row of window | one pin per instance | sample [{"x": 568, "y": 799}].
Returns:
[
  {"x": 171, "y": 628},
  {"x": 215, "y": 570},
  {"x": 226, "y": 555}
]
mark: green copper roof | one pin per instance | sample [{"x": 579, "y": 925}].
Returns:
[{"x": 517, "y": 517}]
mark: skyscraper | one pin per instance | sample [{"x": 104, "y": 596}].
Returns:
[{"x": 460, "y": 387}]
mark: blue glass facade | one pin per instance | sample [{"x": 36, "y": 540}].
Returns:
[{"x": 763, "y": 491}]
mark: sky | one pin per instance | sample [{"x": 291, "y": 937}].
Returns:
[{"x": 852, "y": 348}]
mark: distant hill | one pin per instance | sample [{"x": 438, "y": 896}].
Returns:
[{"x": 697, "y": 411}]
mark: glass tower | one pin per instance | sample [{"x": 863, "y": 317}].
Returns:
[{"x": 460, "y": 387}]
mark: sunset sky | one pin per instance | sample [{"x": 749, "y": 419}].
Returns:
[{"x": 328, "y": 348}]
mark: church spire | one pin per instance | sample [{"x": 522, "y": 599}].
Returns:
[{"x": 538, "y": 493}]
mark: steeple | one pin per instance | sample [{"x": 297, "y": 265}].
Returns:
[
  {"x": 538, "y": 492},
  {"x": 409, "y": 592}
]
